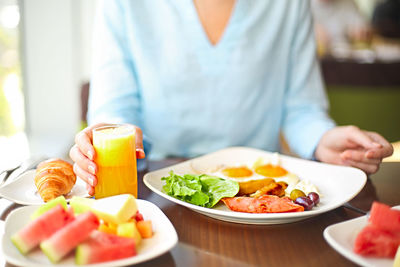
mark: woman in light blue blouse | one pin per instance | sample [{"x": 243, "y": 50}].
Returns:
[{"x": 198, "y": 76}]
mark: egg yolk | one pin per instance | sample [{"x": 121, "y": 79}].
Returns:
[
  {"x": 270, "y": 170},
  {"x": 236, "y": 172}
]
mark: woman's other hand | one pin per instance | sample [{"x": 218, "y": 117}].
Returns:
[
  {"x": 350, "y": 146},
  {"x": 83, "y": 153}
]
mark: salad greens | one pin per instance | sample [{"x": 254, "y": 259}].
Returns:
[{"x": 202, "y": 190}]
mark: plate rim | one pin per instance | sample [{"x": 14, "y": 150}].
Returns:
[
  {"x": 167, "y": 246},
  {"x": 250, "y": 216}
]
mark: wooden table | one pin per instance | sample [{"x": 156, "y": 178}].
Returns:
[{"x": 204, "y": 241}]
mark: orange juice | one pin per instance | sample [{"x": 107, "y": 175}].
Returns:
[{"x": 116, "y": 160}]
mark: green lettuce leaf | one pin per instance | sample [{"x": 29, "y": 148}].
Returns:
[
  {"x": 218, "y": 188},
  {"x": 202, "y": 190}
]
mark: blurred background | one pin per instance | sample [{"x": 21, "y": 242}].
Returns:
[{"x": 45, "y": 50}]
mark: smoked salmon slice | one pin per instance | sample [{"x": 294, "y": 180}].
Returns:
[{"x": 263, "y": 204}]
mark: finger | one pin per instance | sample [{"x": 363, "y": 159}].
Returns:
[
  {"x": 85, "y": 176},
  {"x": 357, "y": 136},
  {"x": 330, "y": 156},
  {"x": 380, "y": 153},
  {"x": 368, "y": 168},
  {"x": 90, "y": 189},
  {"x": 387, "y": 148},
  {"x": 359, "y": 156},
  {"x": 139, "y": 143},
  {"x": 82, "y": 161},
  {"x": 84, "y": 140}
]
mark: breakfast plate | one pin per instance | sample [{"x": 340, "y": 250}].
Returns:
[
  {"x": 337, "y": 184},
  {"x": 163, "y": 240},
  {"x": 341, "y": 236},
  {"x": 22, "y": 190}
]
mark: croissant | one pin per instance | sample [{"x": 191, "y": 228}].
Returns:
[{"x": 54, "y": 177}]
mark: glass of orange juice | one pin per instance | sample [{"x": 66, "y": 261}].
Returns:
[{"x": 116, "y": 160}]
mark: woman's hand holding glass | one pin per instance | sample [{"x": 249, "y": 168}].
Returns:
[{"x": 83, "y": 154}]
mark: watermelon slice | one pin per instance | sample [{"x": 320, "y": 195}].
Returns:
[
  {"x": 381, "y": 236},
  {"x": 373, "y": 241},
  {"x": 101, "y": 247},
  {"x": 384, "y": 217},
  {"x": 67, "y": 238},
  {"x": 41, "y": 228}
]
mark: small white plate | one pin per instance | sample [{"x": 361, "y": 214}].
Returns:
[
  {"x": 337, "y": 184},
  {"x": 23, "y": 191},
  {"x": 341, "y": 236},
  {"x": 163, "y": 240}
]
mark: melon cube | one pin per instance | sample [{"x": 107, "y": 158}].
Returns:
[
  {"x": 81, "y": 204},
  {"x": 107, "y": 228},
  {"x": 116, "y": 209},
  {"x": 113, "y": 226},
  {"x": 130, "y": 230},
  {"x": 145, "y": 228}
]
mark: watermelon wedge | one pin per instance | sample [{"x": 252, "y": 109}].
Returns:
[
  {"x": 373, "y": 241},
  {"x": 41, "y": 228},
  {"x": 381, "y": 236},
  {"x": 102, "y": 247},
  {"x": 384, "y": 217},
  {"x": 67, "y": 238}
]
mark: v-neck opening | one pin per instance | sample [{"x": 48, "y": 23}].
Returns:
[{"x": 231, "y": 23}]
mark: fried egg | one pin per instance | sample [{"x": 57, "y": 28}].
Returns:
[
  {"x": 240, "y": 173},
  {"x": 259, "y": 169},
  {"x": 264, "y": 168}
]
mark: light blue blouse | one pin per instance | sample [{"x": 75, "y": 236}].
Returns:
[{"x": 154, "y": 66}]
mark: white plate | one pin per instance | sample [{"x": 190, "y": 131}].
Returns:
[
  {"x": 163, "y": 240},
  {"x": 337, "y": 184},
  {"x": 23, "y": 191},
  {"x": 341, "y": 237}
]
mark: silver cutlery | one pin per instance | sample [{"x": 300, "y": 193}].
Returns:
[
  {"x": 351, "y": 207},
  {"x": 8, "y": 172}
]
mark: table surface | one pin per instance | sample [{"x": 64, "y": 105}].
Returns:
[{"x": 204, "y": 241}]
